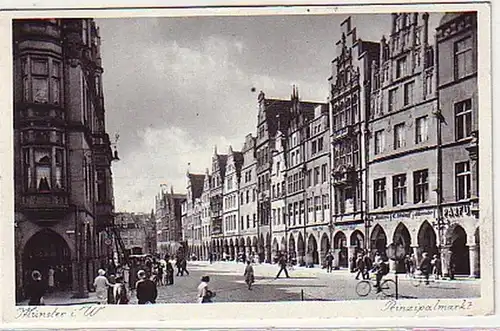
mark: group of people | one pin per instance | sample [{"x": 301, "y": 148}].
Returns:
[{"x": 427, "y": 266}]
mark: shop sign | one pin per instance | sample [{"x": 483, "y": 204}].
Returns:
[
  {"x": 346, "y": 227},
  {"x": 423, "y": 213},
  {"x": 317, "y": 228},
  {"x": 381, "y": 216},
  {"x": 401, "y": 214},
  {"x": 456, "y": 211}
]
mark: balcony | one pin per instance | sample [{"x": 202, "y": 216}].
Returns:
[
  {"x": 43, "y": 206},
  {"x": 343, "y": 175},
  {"x": 343, "y": 133}
]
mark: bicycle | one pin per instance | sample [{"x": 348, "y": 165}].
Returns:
[
  {"x": 387, "y": 286},
  {"x": 419, "y": 278}
]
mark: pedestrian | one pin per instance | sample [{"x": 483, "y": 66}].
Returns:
[
  {"x": 120, "y": 292},
  {"x": 360, "y": 265},
  {"x": 409, "y": 265},
  {"x": 111, "y": 293},
  {"x": 381, "y": 268},
  {"x": 210, "y": 257},
  {"x": 249, "y": 275},
  {"x": 50, "y": 279},
  {"x": 436, "y": 267},
  {"x": 146, "y": 289},
  {"x": 368, "y": 265},
  {"x": 426, "y": 267},
  {"x": 184, "y": 267},
  {"x": 126, "y": 273},
  {"x": 101, "y": 285},
  {"x": 204, "y": 294},
  {"x": 178, "y": 262},
  {"x": 282, "y": 263},
  {"x": 329, "y": 261},
  {"x": 160, "y": 275},
  {"x": 170, "y": 273},
  {"x": 36, "y": 289}
]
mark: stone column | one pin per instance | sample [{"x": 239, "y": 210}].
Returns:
[
  {"x": 416, "y": 255},
  {"x": 336, "y": 258},
  {"x": 248, "y": 251},
  {"x": 445, "y": 260},
  {"x": 351, "y": 253},
  {"x": 473, "y": 261}
]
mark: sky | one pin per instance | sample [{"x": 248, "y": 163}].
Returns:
[{"x": 176, "y": 87}]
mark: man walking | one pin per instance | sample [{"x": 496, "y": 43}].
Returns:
[
  {"x": 360, "y": 265},
  {"x": 146, "y": 289},
  {"x": 282, "y": 263},
  {"x": 329, "y": 262},
  {"x": 426, "y": 267}
]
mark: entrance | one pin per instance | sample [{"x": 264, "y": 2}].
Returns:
[
  {"x": 48, "y": 249},
  {"x": 312, "y": 248},
  {"x": 340, "y": 246},
  {"x": 402, "y": 238},
  {"x": 460, "y": 251},
  {"x": 378, "y": 241},
  {"x": 325, "y": 246}
]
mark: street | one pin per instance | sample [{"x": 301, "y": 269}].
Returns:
[{"x": 226, "y": 279}]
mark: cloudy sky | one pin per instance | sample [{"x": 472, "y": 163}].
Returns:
[{"x": 175, "y": 87}]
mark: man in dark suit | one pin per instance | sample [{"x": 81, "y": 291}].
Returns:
[{"x": 146, "y": 289}]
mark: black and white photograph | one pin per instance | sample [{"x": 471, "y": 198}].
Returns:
[{"x": 292, "y": 157}]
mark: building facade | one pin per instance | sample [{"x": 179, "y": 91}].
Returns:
[
  {"x": 217, "y": 203},
  {"x": 231, "y": 206},
  {"x": 191, "y": 223},
  {"x": 135, "y": 232},
  {"x": 63, "y": 182},
  {"x": 458, "y": 188},
  {"x": 278, "y": 195},
  {"x": 248, "y": 194},
  {"x": 349, "y": 103},
  {"x": 168, "y": 221}
]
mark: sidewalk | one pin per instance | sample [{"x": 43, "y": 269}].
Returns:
[{"x": 64, "y": 299}]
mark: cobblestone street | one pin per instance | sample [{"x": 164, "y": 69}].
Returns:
[{"x": 316, "y": 284}]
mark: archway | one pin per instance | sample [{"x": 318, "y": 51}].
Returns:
[
  {"x": 275, "y": 249},
  {"x": 255, "y": 244},
  {"x": 402, "y": 238},
  {"x": 357, "y": 240},
  {"x": 242, "y": 245},
  {"x": 427, "y": 240},
  {"x": 378, "y": 241},
  {"x": 459, "y": 250},
  {"x": 261, "y": 248},
  {"x": 312, "y": 250},
  {"x": 292, "y": 253},
  {"x": 47, "y": 249},
  {"x": 325, "y": 245},
  {"x": 231, "y": 249},
  {"x": 340, "y": 246},
  {"x": 268, "y": 257},
  {"x": 283, "y": 245},
  {"x": 300, "y": 249}
]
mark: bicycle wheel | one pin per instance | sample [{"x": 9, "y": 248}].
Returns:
[
  {"x": 388, "y": 287},
  {"x": 363, "y": 288}
]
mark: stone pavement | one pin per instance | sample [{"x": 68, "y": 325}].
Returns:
[
  {"x": 305, "y": 284},
  {"x": 65, "y": 298}
]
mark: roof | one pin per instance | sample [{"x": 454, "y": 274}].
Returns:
[
  {"x": 197, "y": 182},
  {"x": 448, "y": 17}
]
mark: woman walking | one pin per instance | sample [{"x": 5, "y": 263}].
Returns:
[
  {"x": 101, "y": 287},
  {"x": 120, "y": 292},
  {"x": 249, "y": 275},
  {"x": 204, "y": 294}
]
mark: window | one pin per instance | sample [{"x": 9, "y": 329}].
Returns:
[
  {"x": 309, "y": 177},
  {"x": 401, "y": 67},
  {"x": 248, "y": 196},
  {"x": 392, "y": 99},
  {"x": 463, "y": 58},
  {"x": 379, "y": 141},
  {"x": 463, "y": 119},
  {"x": 313, "y": 147},
  {"x": 399, "y": 135},
  {"x": 278, "y": 189},
  {"x": 462, "y": 181},
  {"x": 316, "y": 175},
  {"x": 379, "y": 195},
  {"x": 408, "y": 93},
  {"x": 421, "y": 186},
  {"x": 248, "y": 221},
  {"x": 421, "y": 129},
  {"x": 101, "y": 186},
  {"x": 43, "y": 166},
  {"x": 399, "y": 190},
  {"x": 320, "y": 144},
  {"x": 324, "y": 173}
]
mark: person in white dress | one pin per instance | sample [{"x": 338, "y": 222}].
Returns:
[
  {"x": 101, "y": 287},
  {"x": 204, "y": 294},
  {"x": 50, "y": 279}
]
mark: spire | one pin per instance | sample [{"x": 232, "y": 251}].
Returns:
[
  {"x": 188, "y": 169},
  {"x": 215, "y": 149}
]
